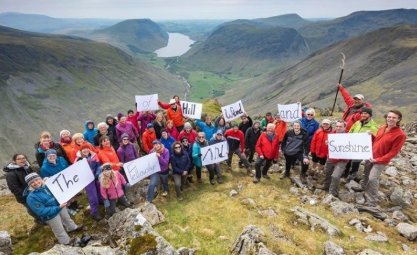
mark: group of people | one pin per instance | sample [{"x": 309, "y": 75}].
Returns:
[{"x": 177, "y": 143}]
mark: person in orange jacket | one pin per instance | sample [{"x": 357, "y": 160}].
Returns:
[
  {"x": 78, "y": 141},
  {"x": 148, "y": 137},
  {"x": 174, "y": 113},
  {"x": 280, "y": 127},
  {"x": 66, "y": 142},
  {"x": 107, "y": 154}
]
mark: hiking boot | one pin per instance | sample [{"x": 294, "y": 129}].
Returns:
[
  {"x": 164, "y": 194},
  {"x": 266, "y": 177},
  {"x": 97, "y": 217},
  {"x": 212, "y": 182},
  {"x": 249, "y": 172},
  {"x": 303, "y": 178},
  {"x": 190, "y": 179},
  {"x": 219, "y": 180},
  {"x": 255, "y": 180},
  {"x": 78, "y": 228}
]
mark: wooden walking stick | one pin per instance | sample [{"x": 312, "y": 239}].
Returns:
[{"x": 340, "y": 80}]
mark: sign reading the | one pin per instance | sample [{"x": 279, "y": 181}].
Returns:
[
  {"x": 191, "y": 110},
  {"x": 67, "y": 183},
  {"x": 214, "y": 153},
  {"x": 350, "y": 146},
  {"x": 290, "y": 112},
  {"x": 141, "y": 168},
  {"x": 147, "y": 102},
  {"x": 233, "y": 111}
]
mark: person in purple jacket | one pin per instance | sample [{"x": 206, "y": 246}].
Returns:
[
  {"x": 145, "y": 118},
  {"x": 127, "y": 151},
  {"x": 163, "y": 157},
  {"x": 126, "y": 127}
]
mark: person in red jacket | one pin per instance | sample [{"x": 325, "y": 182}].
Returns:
[
  {"x": 319, "y": 148},
  {"x": 354, "y": 105},
  {"x": 387, "y": 144},
  {"x": 167, "y": 105},
  {"x": 267, "y": 149},
  {"x": 148, "y": 137},
  {"x": 236, "y": 142},
  {"x": 188, "y": 133},
  {"x": 280, "y": 127},
  {"x": 174, "y": 113},
  {"x": 107, "y": 154}
]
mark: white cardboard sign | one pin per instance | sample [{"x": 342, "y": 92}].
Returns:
[
  {"x": 67, "y": 183},
  {"x": 233, "y": 111},
  {"x": 350, "y": 146},
  {"x": 141, "y": 168},
  {"x": 191, "y": 110},
  {"x": 290, "y": 112},
  {"x": 147, "y": 102},
  {"x": 214, "y": 153}
]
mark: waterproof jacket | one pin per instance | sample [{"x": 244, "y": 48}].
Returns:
[
  {"x": 351, "y": 113},
  {"x": 112, "y": 139},
  {"x": 245, "y": 126},
  {"x": 189, "y": 151},
  {"x": 319, "y": 143},
  {"x": 251, "y": 137},
  {"x": 235, "y": 139},
  {"x": 168, "y": 142},
  {"x": 387, "y": 144},
  {"x": 126, "y": 128},
  {"x": 134, "y": 120},
  {"x": 209, "y": 130},
  {"x": 147, "y": 138},
  {"x": 109, "y": 155},
  {"x": 180, "y": 162},
  {"x": 175, "y": 116},
  {"x": 145, "y": 120},
  {"x": 111, "y": 131},
  {"x": 15, "y": 179},
  {"x": 163, "y": 160},
  {"x": 42, "y": 203},
  {"x": 359, "y": 127},
  {"x": 196, "y": 154},
  {"x": 190, "y": 136},
  {"x": 268, "y": 146},
  {"x": 158, "y": 126},
  {"x": 89, "y": 133},
  {"x": 310, "y": 126},
  {"x": 127, "y": 152},
  {"x": 68, "y": 147},
  {"x": 94, "y": 163},
  {"x": 293, "y": 144},
  {"x": 173, "y": 132},
  {"x": 40, "y": 153},
  {"x": 48, "y": 169},
  {"x": 115, "y": 190},
  {"x": 280, "y": 129}
]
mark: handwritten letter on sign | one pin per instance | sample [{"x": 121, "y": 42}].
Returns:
[
  {"x": 141, "y": 168},
  {"x": 191, "y": 110},
  {"x": 289, "y": 112},
  {"x": 350, "y": 146},
  {"x": 233, "y": 111},
  {"x": 214, "y": 153},
  {"x": 147, "y": 102},
  {"x": 67, "y": 183}
]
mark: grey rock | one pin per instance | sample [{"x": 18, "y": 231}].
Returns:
[
  {"x": 353, "y": 185},
  {"x": 369, "y": 252},
  {"x": 407, "y": 181},
  {"x": 152, "y": 214},
  {"x": 250, "y": 241},
  {"x": 294, "y": 190},
  {"x": 359, "y": 198},
  {"x": 347, "y": 197},
  {"x": 385, "y": 182},
  {"x": 268, "y": 213},
  {"x": 399, "y": 216},
  {"x": 137, "y": 192},
  {"x": 390, "y": 222},
  {"x": 396, "y": 196},
  {"x": 378, "y": 237},
  {"x": 413, "y": 160},
  {"x": 248, "y": 202},
  {"x": 311, "y": 200},
  {"x": 327, "y": 200},
  {"x": 186, "y": 251},
  {"x": 297, "y": 181},
  {"x": 391, "y": 171},
  {"x": 360, "y": 226},
  {"x": 233, "y": 193},
  {"x": 5, "y": 243},
  {"x": 60, "y": 249},
  {"x": 405, "y": 247},
  {"x": 407, "y": 230},
  {"x": 331, "y": 248},
  {"x": 314, "y": 220},
  {"x": 408, "y": 197},
  {"x": 340, "y": 208}
]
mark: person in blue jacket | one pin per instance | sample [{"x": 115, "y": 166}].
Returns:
[
  {"x": 309, "y": 124},
  {"x": 167, "y": 140},
  {"x": 90, "y": 131},
  {"x": 207, "y": 127},
  {"x": 180, "y": 163},
  {"x": 188, "y": 149},
  {"x": 52, "y": 164},
  {"x": 196, "y": 154},
  {"x": 46, "y": 207}
]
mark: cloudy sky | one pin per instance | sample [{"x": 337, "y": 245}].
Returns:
[{"x": 197, "y": 9}]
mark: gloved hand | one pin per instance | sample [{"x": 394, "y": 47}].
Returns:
[{"x": 106, "y": 203}]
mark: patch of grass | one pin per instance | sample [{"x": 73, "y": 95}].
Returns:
[
  {"x": 142, "y": 244},
  {"x": 207, "y": 85}
]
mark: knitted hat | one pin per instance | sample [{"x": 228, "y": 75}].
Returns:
[
  {"x": 64, "y": 132},
  {"x": 156, "y": 142},
  {"x": 31, "y": 177},
  {"x": 50, "y": 152},
  {"x": 106, "y": 166},
  {"x": 367, "y": 110},
  {"x": 84, "y": 146},
  {"x": 150, "y": 125},
  {"x": 124, "y": 135}
]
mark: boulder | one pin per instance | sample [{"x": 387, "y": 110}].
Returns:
[
  {"x": 314, "y": 220},
  {"x": 233, "y": 193},
  {"x": 399, "y": 216},
  {"x": 137, "y": 192},
  {"x": 268, "y": 212},
  {"x": 407, "y": 230},
  {"x": 352, "y": 186},
  {"x": 152, "y": 214},
  {"x": 400, "y": 197},
  {"x": 327, "y": 200},
  {"x": 250, "y": 241},
  {"x": 378, "y": 237},
  {"x": 248, "y": 202},
  {"x": 369, "y": 252},
  {"x": 60, "y": 249},
  {"x": 391, "y": 171},
  {"x": 340, "y": 208},
  {"x": 5, "y": 243},
  {"x": 331, "y": 248}
]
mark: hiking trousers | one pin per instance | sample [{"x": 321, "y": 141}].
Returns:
[
  {"x": 258, "y": 165},
  {"x": 57, "y": 225},
  {"x": 370, "y": 183},
  {"x": 334, "y": 172}
]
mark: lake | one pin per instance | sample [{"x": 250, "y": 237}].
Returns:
[{"x": 178, "y": 44}]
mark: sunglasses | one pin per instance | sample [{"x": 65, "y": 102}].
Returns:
[
  {"x": 201, "y": 137},
  {"x": 309, "y": 114}
]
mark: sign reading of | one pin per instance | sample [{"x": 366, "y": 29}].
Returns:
[
  {"x": 350, "y": 146},
  {"x": 147, "y": 102},
  {"x": 191, "y": 110},
  {"x": 214, "y": 153},
  {"x": 290, "y": 112},
  {"x": 141, "y": 168},
  {"x": 67, "y": 183},
  {"x": 233, "y": 111}
]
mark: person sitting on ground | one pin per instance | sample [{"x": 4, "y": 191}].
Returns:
[
  {"x": 334, "y": 168},
  {"x": 251, "y": 137},
  {"x": 354, "y": 106},
  {"x": 319, "y": 149},
  {"x": 167, "y": 140},
  {"x": 111, "y": 189},
  {"x": 188, "y": 149},
  {"x": 267, "y": 119},
  {"x": 196, "y": 154},
  {"x": 93, "y": 188},
  {"x": 365, "y": 124},
  {"x": 294, "y": 146},
  {"x": 46, "y": 207},
  {"x": 188, "y": 133},
  {"x": 309, "y": 124},
  {"x": 148, "y": 137},
  {"x": 163, "y": 158},
  {"x": 90, "y": 131},
  {"x": 180, "y": 163},
  {"x": 16, "y": 171},
  {"x": 214, "y": 169},
  {"x": 267, "y": 149},
  {"x": 174, "y": 113},
  {"x": 127, "y": 151},
  {"x": 172, "y": 131},
  {"x": 236, "y": 142},
  {"x": 207, "y": 126},
  {"x": 45, "y": 143}
]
